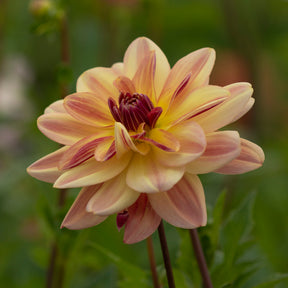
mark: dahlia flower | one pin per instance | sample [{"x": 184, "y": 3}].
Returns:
[{"x": 136, "y": 135}]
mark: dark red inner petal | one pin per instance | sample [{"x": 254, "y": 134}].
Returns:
[
  {"x": 121, "y": 219},
  {"x": 133, "y": 110}
]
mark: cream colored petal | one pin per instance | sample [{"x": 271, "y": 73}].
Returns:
[
  {"x": 92, "y": 172},
  {"x": 77, "y": 216},
  {"x": 199, "y": 100},
  {"x": 123, "y": 141},
  {"x": 163, "y": 139},
  {"x": 222, "y": 147},
  {"x": 56, "y": 107},
  {"x": 84, "y": 149},
  {"x": 247, "y": 107},
  {"x": 63, "y": 128},
  {"x": 198, "y": 64},
  {"x": 192, "y": 144},
  {"x": 105, "y": 149},
  {"x": 124, "y": 85},
  {"x": 99, "y": 80},
  {"x": 118, "y": 68},
  {"x": 142, "y": 221},
  {"x": 113, "y": 197},
  {"x": 148, "y": 176},
  {"x": 143, "y": 79},
  {"x": 251, "y": 157},
  {"x": 88, "y": 108},
  {"x": 236, "y": 89},
  {"x": 182, "y": 206},
  {"x": 137, "y": 51},
  {"x": 46, "y": 168},
  {"x": 226, "y": 112}
]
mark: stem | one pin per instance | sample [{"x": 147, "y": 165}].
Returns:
[
  {"x": 152, "y": 262},
  {"x": 200, "y": 258},
  {"x": 52, "y": 263},
  {"x": 166, "y": 256},
  {"x": 56, "y": 269}
]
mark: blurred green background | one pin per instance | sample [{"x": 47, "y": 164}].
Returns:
[{"x": 247, "y": 235}]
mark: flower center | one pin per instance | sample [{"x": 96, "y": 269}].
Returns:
[{"x": 133, "y": 110}]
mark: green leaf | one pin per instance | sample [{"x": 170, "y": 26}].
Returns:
[
  {"x": 186, "y": 261},
  {"x": 237, "y": 259},
  {"x": 237, "y": 227},
  {"x": 275, "y": 279},
  {"x": 131, "y": 273}
]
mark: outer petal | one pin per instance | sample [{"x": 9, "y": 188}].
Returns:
[
  {"x": 194, "y": 103},
  {"x": 147, "y": 175},
  {"x": 46, "y": 168},
  {"x": 198, "y": 63},
  {"x": 236, "y": 89},
  {"x": 222, "y": 147},
  {"x": 226, "y": 112},
  {"x": 83, "y": 150},
  {"x": 118, "y": 68},
  {"x": 142, "y": 221},
  {"x": 192, "y": 144},
  {"x": 77, "y": 216},
  {"x": 92, "y": 172},
  {"x": 88, "y": 108},
  {"x": 63, "y": 128},
  {"x": 183, "y": 205},
  {"x": 137, "y": 51},
  {"x": 251, "y": 157},
  {"x": 99, "y": 80},
  {"x": 56, "y": 107},
  {"x": 113, "y": 196}
]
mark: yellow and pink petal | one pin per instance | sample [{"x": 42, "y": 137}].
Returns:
[
  {"x": 142, "y": 221},
  {"x": 226, "y": 112},
  {"x": 251, "y": 157},
  {"x": 112, "y": 197},
  {"x": 143, "y": 79},
  {"x": 124, "y": 85},
  {"x": 197, "y": 64},
  {"x": 192, "y": 142},
  {"x": 194, "y": 103},
  {"x": 77, "y": 216},
  {"x": 92, "y": 172},
  {"x": 46, "y": 168},
  {"x": 56, "y": 107},
  {"x": 146, "y": 175},
  {"x": 84, "y": 149},
  {"x": 162, "y": 139},
  {"x": 137, "y": 51},
  {"x": 64, "y": 129},
  {"x": 99, "y": 80},
  {"x": 89, "y": 109},
  {"x": 123, "y": 141},
  {"x": 183, "y": 205},
  {"x": 222, "y": 147}
]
